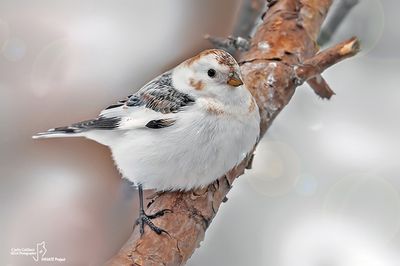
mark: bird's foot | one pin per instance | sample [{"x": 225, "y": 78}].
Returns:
[{"x": 146, "y": 219}]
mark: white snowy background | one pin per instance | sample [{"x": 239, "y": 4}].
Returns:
[{"x": 325, "y": 186}]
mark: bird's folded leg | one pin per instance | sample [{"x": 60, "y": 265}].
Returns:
[{"x": 146, "y": 219}]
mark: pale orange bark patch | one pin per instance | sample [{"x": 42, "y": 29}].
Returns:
[{"x": 349, "y": 48}]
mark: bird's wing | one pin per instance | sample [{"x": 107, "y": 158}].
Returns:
[
  {"x": 152, "y": 107},
  {"x": 149, "y": 106}
]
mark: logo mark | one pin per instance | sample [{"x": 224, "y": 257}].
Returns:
[{"x": 40, "y": 251}]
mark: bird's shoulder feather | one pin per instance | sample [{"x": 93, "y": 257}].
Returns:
[{"x": 154, "y": 100}]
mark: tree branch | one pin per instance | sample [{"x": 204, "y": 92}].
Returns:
[
  {"x": 250, "y": 12},
  {"x": 282, "y": 55},
  {"x": 248, "y": 19},
  {"x": 313, "y": 67},
  {"x": 230, "y": 44}
]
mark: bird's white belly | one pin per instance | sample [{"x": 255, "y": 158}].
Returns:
[{"x": 189, "y": 154}]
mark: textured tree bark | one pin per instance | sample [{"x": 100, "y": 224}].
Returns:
[{"x": 282, "y": 56}]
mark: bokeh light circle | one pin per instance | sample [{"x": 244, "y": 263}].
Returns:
[
  {"x": 328, "y": 241},
  {"x": 366, "y": 21},
  {"x": 369, "y": 199},
  {"x": 276, "y": 168},
  {"x": 45, "y": 74},
  {"x": 14, "y": 49},
  {"x": 306, "y": 185},
  {"x": 4, "y": 32}
]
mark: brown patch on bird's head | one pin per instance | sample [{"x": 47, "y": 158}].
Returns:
[
  {"x": 224, "y": 58},
  {"x": 197, "y": 85},
  {"x": 193, "y": 59},
  {"x": 221, "y": 56}
]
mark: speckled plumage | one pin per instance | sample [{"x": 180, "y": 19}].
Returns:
[{"x": 160, "y": 96}]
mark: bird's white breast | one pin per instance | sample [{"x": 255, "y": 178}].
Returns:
[{"x": 200, "y": 147}]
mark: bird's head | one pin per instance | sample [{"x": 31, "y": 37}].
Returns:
[{"x": 211, "y": 73}]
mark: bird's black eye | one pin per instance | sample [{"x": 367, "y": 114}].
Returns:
[{"x": 211, "y": 73}]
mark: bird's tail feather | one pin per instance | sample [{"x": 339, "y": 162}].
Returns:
[
  {"x": 60, "y": 132},
  {"x": 79, "y": 129}
]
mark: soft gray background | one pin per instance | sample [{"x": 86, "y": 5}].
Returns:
[{"x": 325, "y": 185}]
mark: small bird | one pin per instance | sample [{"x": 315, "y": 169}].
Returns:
[{"x": 182, "y": 130}]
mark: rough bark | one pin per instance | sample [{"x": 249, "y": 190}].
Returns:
[{"x": 282, "y": 55}]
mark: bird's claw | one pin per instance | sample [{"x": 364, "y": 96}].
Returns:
[{"x": 146, "y": 219}]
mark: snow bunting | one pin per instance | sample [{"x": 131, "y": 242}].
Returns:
[{"x": 182, "y": 130}]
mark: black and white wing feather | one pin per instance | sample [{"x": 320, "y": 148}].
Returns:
[
  {"x": 149, "y": 107},
  {"x": 158, "y": 95}
]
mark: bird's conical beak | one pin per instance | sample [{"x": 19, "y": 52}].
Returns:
[{"x": 234, "y": 79}]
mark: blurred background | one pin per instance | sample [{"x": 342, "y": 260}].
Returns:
[{"x": 324, "y": 189}]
